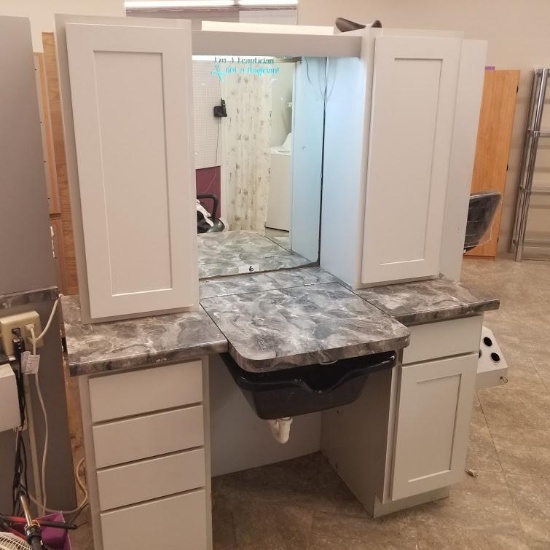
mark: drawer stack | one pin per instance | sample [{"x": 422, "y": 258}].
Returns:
[{"x": 148, "y": 433}]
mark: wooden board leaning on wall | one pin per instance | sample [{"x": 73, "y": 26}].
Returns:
[
  {"x": 494, "y": 138},
  {"x": 56, "y": 151}
]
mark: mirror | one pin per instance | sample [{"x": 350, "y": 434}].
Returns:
[{"x": 258, "y": 159}]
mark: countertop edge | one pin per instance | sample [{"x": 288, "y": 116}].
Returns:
[
  {"x": 147, "y": 360},
  {"x": 314, "y": 357},
  {"x": 448, "y": 314}
]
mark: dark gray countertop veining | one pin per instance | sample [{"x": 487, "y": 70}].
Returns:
[
  {"x": 257, "y": 282},
  {"x": 304, "y": 325},
  {"x": 428, "y": 301},
  {"x": 137, "y": 342},
  {"x": 229, "y": 252},
  {"x": 272, "y": 321}
]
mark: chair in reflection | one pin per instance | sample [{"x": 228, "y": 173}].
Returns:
[{"x": 207, "y": 221}]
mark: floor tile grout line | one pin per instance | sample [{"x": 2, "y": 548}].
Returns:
[
  {"x": 516, "y": 508},
  {"x": 490, "y": 434}
]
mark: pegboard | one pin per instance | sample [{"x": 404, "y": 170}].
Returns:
[{"x": 206, "y": 94}]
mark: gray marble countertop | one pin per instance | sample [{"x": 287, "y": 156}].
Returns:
[
  {"x": 428, "y": 301},
  {"x": 258, "y": 282},
  {"x": 119, "y": 345},
  {"x": 270, "y": 321},
  {"x": 228, "y": 252},
  {"x": 302, "y": 325}
]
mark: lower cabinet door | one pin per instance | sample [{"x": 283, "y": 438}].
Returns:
[
  {"x": 176, "y": 523},
  {"x": 433, "y": 420}
]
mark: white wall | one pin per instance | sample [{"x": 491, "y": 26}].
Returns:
[
  {"x": 518, "y": 38},
  {"x": 307, "y": 152},
  {"x": 207, "y": 93},
  {"x": 240, "y": 439},
  {"x": 281, "y": 112},
  {"x": 277, "y": 17},
  {"x": 41, "y": 12}
]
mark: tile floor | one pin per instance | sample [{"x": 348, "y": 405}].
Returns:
[{"x": 302, "y": 504}]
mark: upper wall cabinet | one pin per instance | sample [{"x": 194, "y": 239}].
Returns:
[
  {"x": 389, "y": 140},
  {"x": 413, "y": 102},
  {"x": 130, "y": 100}
]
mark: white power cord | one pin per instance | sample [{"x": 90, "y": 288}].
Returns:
[
  {"x": 43, "y": 505},
  {"x": 48, "y": 324},
  {"x": 34, "y": 340},
  {"x": 45, "y": 414},
  {"x": 80, "y": 484}
]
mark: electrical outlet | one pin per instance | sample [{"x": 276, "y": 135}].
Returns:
[{"x": 20, "y": 321}]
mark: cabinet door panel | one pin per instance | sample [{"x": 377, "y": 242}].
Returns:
[
  {"x": 433, "y": 419},
  {"x": 413, "y": 102},
  {"x": 131, "y": 98}
]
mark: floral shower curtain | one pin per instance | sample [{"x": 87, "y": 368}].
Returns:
[{"x": 246, "y": 138}]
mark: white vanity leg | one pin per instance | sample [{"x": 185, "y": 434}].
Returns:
[{"x": 89, "y": 454}]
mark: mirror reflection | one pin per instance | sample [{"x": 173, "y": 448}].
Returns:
[{"x": 258, "y": 153}]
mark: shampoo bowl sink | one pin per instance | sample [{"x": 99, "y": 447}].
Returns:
[{"x": 302, "y": 390}]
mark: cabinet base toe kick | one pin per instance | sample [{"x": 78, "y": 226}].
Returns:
[{"x": 379, "y": 508}]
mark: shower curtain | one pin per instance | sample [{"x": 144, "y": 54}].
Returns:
[{"x": 246, "y": 140}]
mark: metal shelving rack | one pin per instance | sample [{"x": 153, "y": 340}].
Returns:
[{"x": 526, "y": 189}]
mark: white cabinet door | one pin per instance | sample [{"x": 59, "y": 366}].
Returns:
[
  {"x": 413, "y": 104},
  {"x": 133, "y": 125},
  {"x": 433, "y": 419}
]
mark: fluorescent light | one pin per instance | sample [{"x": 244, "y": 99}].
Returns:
[
  {"x": 145, "y": 4},
  {"x": 267, "y": 2},
  {"x": 136, "y": 4}
]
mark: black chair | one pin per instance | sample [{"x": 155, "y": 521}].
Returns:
[
  {"x": 481, "y": 212},
  {"x": 345, "y": 25},
  {"x": 202, "y": 225}
]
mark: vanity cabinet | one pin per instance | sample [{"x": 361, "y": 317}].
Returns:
[
  {"x": 128, "y": 118},
  {"x": 432, "y": 425},
  {"x": 436, "y": 383},
  {"x": 405, "y": 440},
  {"x": 391, "y": 150},
  {"x": 147, "y": 457}
]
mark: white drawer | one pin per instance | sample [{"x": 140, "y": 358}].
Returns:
[
  {"x": 147, "y": 436},
  {"x": 175, "y": 523},
  {"x": 151, "y": 479},
  {"x": 443, "y": 339},
  {"x": 146, "y": 390}
]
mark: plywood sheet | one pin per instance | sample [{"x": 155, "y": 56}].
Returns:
[
  {"x": 69, "y": 274},
  {"x": 496, "y": 121}
]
